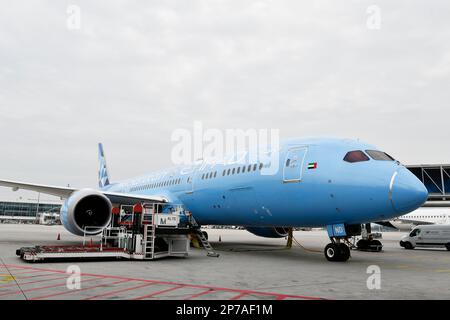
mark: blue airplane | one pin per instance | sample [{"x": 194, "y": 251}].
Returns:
[{"x": 339, "y": 184}]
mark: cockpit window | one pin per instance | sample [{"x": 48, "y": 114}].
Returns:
[
  {"x": 356, "y": 156},
  {"x": 379, "y": 155}
]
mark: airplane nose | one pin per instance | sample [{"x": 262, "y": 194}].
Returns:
[{"x": 407, "y": 193}]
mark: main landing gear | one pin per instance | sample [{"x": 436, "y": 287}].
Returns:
[
  {"x": 367, "y": 243},
  {"x": 337, "y": 251}
]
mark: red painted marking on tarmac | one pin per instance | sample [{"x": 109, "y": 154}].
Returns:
[
  {"x": 160, "y": 292},
  {"x": 203, "y": 293},
  {"x": 76, "y": 291},
  {"x": 239, "y": 291},
  {"x": 120, "y": 291},
  {"x": 40, "y": 288},
  {"x": 32, "y": 282},
  {"x": 35, "y": 276},
  {"x": 239, "y": 296},
  {"x": 25, "y": 272},
  {"x": 7, "y": 268}
]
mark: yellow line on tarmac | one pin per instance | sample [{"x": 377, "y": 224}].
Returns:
[
  {"x": 442, "y": 270},
  {"x": 6, "y": 278}
]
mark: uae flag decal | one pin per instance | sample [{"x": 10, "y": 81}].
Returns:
[{"x": 312, "y": 165}]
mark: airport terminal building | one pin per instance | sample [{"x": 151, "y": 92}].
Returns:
[{"x": 10, "y": 210}]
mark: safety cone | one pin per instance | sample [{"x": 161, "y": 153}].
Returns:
[{"x": 59, "y": 237}]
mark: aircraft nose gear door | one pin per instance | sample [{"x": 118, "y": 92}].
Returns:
[{"x": 293, "y": 164}]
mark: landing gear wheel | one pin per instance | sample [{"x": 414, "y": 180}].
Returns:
[
  {"x": 447, "y": 246},
  {"x": 205, "y": 234},
  {"x": 337, "y": 252},
  {"x": 362, "y": 244},
  {"x": 369, "y": 245},
  {"x": 332, "y": 252},
  {"x": 345, "y": 252},
  {"x": 376, "y": 245}
]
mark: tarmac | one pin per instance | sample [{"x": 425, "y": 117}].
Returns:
[{"x": 249, "y": 267}]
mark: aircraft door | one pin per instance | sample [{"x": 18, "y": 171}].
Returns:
[
  {"x": 189, "y": 176},
  {"x": 190, "y": 184},
  {"x": 294, "y": 164}
]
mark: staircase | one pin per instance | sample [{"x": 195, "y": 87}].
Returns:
[
  {"x": 149, "y": 240},
  {"x": 205, "y": 243}
]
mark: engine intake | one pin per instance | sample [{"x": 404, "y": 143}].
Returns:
[{"x": 86, "y": 212}]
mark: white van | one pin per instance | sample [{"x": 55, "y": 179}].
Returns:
[{"x": 427, "y": 236}]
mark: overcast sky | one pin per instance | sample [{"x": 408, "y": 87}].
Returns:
[{"x": 137, "y": 70}]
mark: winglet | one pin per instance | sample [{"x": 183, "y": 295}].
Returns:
[{"x": 103, "y": 178}]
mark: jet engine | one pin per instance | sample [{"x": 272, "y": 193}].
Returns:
[
  {"x": 86, "y": 212},
  {"x": 269, "y": 232}
]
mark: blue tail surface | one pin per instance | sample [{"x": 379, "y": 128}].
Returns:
[{"x": 103, "y": 178}]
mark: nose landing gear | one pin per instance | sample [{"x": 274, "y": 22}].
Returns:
[{"x": 338, "y": 250}]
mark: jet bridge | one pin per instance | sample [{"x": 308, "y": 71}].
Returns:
[
  {"x": 436, "y": 178},
  {"x": 146, "y": 231}
]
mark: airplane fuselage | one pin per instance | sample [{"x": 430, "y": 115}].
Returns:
[{"x": 313, "y": 186}]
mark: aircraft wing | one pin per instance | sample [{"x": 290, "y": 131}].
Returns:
[
  {"x": 62, "y": 192},
  {"x": 128, "y": 198},
  {"x": 65, "y": 192},
  {"x": 416, "y": 222}
]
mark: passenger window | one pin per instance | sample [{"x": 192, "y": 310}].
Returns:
[
  {"x": 238, "y": 170},
  {"x": 379, "y": 155},
  {"x": 224, "y": 171},
  {"x": 356, "y": 156},
  {"x": 234, "y": 171},
  {"x": 255, "y": 167},
  {"x": 261, "y": 166},
  {"x": 243, "y": 169}
]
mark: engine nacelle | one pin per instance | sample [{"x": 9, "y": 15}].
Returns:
[
  {"x": 269, "y": 232},
  {"x": 86, "y": 208}
]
